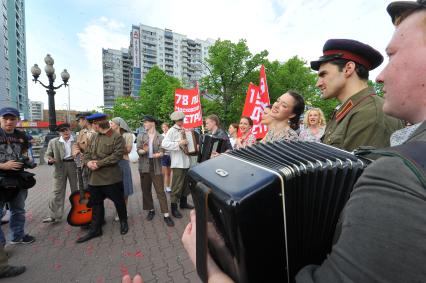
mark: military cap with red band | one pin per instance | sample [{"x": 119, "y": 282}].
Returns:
[{"x": 350, "y": 50}]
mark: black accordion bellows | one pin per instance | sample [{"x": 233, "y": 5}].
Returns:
[{"x": 274, "y": 207}]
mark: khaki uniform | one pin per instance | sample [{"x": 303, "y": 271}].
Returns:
[
  {"x": 80, "y": 146},
  {"x": 106, "y": 181},
  {"x": 83, "y": 141},
  {"x": 108, "y": 150},
  {"x": 360, "y": 121}
]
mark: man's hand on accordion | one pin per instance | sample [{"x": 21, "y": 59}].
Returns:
[{"x": 215, "y": 274}]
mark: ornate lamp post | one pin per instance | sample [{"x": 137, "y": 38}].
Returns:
[{"x": 50, "y": 89}]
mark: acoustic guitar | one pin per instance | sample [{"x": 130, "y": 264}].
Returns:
[{"x": 80, "y": 214}]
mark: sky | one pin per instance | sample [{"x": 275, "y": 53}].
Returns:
[{"x": 74, "y": 32}]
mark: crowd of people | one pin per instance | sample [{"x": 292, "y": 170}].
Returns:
[
  {"x": 383, "y": 220},
  {"x": 381, "y": 232}
]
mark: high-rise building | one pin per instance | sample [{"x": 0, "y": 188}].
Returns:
[
  {"x": 36, "y": 111},
  {"x": 116, "y": 75},
  {"x": 13, "y": 68},
  {"x": 172, "y": 52}
]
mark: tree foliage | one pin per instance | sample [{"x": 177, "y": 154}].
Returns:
[
  {"x": 230, "y": 65},
  {"x": 157, "y": 93},
  {"x": 128, "y": 108},
  {"x": 156, "y": 98}
]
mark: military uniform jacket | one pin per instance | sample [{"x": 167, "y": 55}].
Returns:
[
  {"x": 83, "y": 141},
  {"x": 56, "y": 150},
  {"x": 382, "y": 237},
  {"x": 156, "y": 148},
  {"x": 108, "y": 150},
  {"x": 360, "y": 121}
]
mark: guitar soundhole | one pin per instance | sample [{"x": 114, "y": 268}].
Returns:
[{"x": 84, "y": 211}]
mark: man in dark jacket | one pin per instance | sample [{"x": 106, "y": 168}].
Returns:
[{"x": 13, "y": 144}]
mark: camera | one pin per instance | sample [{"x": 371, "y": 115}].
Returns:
[{"x": 27, "y": 163}]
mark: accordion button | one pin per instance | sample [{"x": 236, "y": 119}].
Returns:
[{"x": 221, "y": 172}]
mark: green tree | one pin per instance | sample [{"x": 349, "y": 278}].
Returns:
[
  {"x": 378, "y": 87},
  {"x": 156, "y": 97},
  {"x": 294, "y": 74},
  {"x": 230, "y": 65},
  {"x": 157, "y": 93},
  {"x": 128, "y": 108}
]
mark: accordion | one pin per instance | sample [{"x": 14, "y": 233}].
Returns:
[
  {"x": 210, "y": 144},
  {"x": 266, "y": 211}
]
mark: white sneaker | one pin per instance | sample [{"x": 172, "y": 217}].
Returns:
[{"x": 168, "y": 190}]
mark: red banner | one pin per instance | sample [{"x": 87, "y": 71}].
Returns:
[
  {"x": 188, "y": 102},
  {"x": 263, "y": 86},
  {"x": 253, "y": 108}
]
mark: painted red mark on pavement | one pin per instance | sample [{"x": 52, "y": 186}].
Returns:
[
  {"x": 29, "y": 216},
  {"x": 57, "y": 266},
  {"x": 124, "y": 270},
  {"x": 138, "y": 254},
  {"x": 89, "y": 249},
  {"x": 67, "y": 230},
  {"x": 100, "y": 279}
]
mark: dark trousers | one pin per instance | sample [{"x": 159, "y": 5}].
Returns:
[{"x": 98, "y": 194}]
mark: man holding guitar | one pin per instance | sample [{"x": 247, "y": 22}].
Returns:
[{"x": 105, "y": 180}]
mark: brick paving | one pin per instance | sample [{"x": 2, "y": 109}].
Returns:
[{"x": 150, "y": 248}]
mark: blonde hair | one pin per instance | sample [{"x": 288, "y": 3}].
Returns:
[{"x": 321, "y": 117}]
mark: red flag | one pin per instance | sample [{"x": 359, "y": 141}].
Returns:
[
  {"x": 188, "y": 102},
  {"x": 263, "y": 86},
  {"x": 253, "y": 108}
]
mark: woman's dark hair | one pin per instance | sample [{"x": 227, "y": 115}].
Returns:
[
  {"x": 298, "y": 108},
  {"x": 214, "y": 118},
  {"x": 234, "y": 125},
  {"x": 248, "y": 119}
]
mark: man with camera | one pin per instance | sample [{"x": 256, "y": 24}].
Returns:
[
  {"x": 13, "y": 159},
  {"x": 59, "y": 155}
]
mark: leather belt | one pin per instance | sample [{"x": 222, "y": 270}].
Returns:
[{"x": 67, "y": 160}]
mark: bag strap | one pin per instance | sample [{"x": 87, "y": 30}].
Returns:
[{"x": 412, "y": 154}]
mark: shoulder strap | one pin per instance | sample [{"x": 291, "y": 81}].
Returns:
[{"x": 413, "y": 155}]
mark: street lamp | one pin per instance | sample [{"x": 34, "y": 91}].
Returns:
[{"x": 50, "y": 89}]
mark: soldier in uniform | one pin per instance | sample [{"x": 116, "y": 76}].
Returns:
[
  {"x": 105, "y": 180},
  {"x": 83, "y": 141},
  {"x": 343, "y": 74}
]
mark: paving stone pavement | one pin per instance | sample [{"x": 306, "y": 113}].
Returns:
[{"x": 150, "y": 248}]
